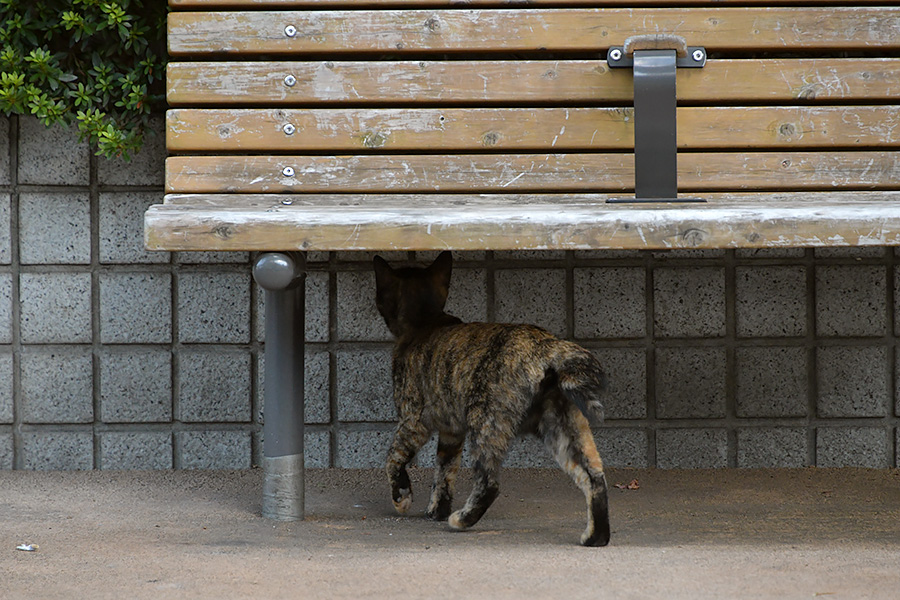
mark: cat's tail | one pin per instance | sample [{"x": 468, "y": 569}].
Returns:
[{"x": 581, "y": 379}]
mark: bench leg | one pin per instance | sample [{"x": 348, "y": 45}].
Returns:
[{"x": 283, "y": 277}]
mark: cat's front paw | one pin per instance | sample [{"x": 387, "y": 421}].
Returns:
[{"x": 403, "y": 501}]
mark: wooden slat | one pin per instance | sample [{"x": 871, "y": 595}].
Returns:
[
  {"x": 526, "y": 172},
  {"x": 545, "y": 222},
  {"x": 548, "y": 129},
  {"x": 379, "y": 82},
  {"x": 516, "y": 30},
  {"x": 282, "y": 4}
]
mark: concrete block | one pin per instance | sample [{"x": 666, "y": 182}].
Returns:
[
  {"x": 397, "y": 256},
  {"x": 57, "y": 386},
  {"x": 622, "y": 448},
  {"x": 6, "y": 387},
  {"x": 214, "y": 385},
  {"x": 534, "y": 296},
  {"x": 150, "y": 450},
  {"x": 853, "y": 381},
  {"x": 208, "y": 258},
  {"x": 853, "y": 447},
  {"x": 770, "y": 252},
  {"x": 52, "y": 156},
  {"x": 687, "y": 253},
  {"x": 6, "y": 450},
  {"x": 317, "y": 311},
  {"x": 58, "y": 450},
  {"x": 771, "y": 447},
  {"x": 6, "y": 306},
  {"x": 5, "y": 228},
  {"x": 896, "y": 307},
  {"x": 135, "y": 308},
  {"x": 690, "y": 383},
  {"x": 316, "y": 378},
  {"x": 4, "y": 151},
  {"x": 364, "y": 386},
  {"x": 55, "y": 228},
  {"x": 357, "y": 316},
  {"x": 610, "y": 302},
  {"x": 691, "y": 448},
  {"x": 214, "y": 449},
  {"x": 317, "y": 449},
  {"x": 861, "y": 287},
  {"x": 362, "y": 449},
  {"x": 147, "y": 167},
  {"x": 850, "y": 252},
  {"x": 426, "y": 257},
  {"x": 772, "y": 382},
  {"x": 55, "y": 308},
  {"x": 771, "y": 301},
  {"x": 214, "y": 307},
  {"x": 468, "y": 295},
  {"x": 529, "y": 452},
  {"x": 689, "y": 301},
  {"x": 135, "y": 385},
  {"x": 122, "y": 228},
  {"x": 626, "y": 376}
]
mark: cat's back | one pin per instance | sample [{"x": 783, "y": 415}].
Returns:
[{"x": 477, "y": 348}]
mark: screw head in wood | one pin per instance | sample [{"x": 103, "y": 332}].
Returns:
[
  {"x": 289, "y": 129},
  {"x": 290, "y": 81},
  {"x": 288, "y": 171},
  {"x": 290, "y": 31}
]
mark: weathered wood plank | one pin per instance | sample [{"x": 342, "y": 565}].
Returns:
[
  {"x": 542, "y": 129},
  {"x": 568, "y": 81},
  {"x": 751, "y": 221},
  {"x": 525, "y": 172},
  {"x": 282, "y": 4},
  {"x": 509, "y": 200},
  {"x": 500, "y": 30}
]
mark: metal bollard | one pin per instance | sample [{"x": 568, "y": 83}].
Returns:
[{"x": 283, "y": 277}]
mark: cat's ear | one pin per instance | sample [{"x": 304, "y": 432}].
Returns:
[
  {"x": 383, "y": 271},
  {"x": 441, "y": 268}
]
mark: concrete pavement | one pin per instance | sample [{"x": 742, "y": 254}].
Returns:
[{"x": 682, "y": 534}]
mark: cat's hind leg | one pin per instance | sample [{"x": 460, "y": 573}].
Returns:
[
  {"x": 449, "y": 454},
  {"x": 410, "y": 436},
  {"x": 567, "y": 434}
]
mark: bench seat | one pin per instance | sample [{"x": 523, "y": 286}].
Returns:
[{"x": 515, "y": 222}]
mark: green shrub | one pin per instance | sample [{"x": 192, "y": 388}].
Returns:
[{"x": 97, "y": 63}]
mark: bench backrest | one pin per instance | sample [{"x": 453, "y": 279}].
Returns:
[{"x": 355, "y": 96}]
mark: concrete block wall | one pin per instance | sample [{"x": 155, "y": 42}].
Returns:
[{"x": 112, "y": 357}]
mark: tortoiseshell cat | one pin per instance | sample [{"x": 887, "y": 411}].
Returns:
[{"x": 490, "y": 382}]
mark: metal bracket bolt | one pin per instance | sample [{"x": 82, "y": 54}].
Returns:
[
  {"x": 615, "y": 54},
  {"x": 698, "y": 55}
]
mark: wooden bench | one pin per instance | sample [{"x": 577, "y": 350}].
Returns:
[{"x": 436, "y": 124}]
